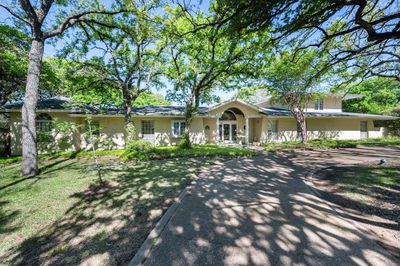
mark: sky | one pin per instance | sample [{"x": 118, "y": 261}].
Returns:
[{"x": 51, "y": 49}]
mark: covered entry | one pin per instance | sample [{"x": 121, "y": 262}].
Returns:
[{"x": 229, "y": 125}]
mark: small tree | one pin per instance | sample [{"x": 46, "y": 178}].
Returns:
[
  {"x": 94, "y": 140},
  {"x": 294, "y": 80}
]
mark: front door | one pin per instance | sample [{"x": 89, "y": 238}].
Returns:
[{"x": 228, "y": 131}]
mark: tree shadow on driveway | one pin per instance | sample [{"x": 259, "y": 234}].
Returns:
[{"x": 260, "y": 212}]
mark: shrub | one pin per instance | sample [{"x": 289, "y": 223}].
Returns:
[
  {"x": 185, "y": 142},
  {"x": 139, "y": 150},
  {"x": 333, "y": 143}
]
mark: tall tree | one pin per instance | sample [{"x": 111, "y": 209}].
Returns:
[
  {"x": 45, "y": 19},
  {"x": 129, "y": 57},
  {"x": 366, "y": 33},
  {"x": 295, "y": 81},
  {"x": 203, "y": 60}
]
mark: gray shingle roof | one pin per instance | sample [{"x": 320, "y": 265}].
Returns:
[
  {"x": 284, "y": 112},
  {"x": 62, "y": 103},
  {"x": 164, "y": 110},
  {"x": 55, "y": 103}
]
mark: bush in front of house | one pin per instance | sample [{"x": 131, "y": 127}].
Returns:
[
  {"x": 185, "y": 142},
  {"x": 333, "y": 143},
  {"x": 139, "y": 150}
]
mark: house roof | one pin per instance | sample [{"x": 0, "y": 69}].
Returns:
[
  {"x": 67, "y": 105},
  {"x": 283, "y": 112},
  {"x": 165, "y": 110},
  {"x": 55, "y": 103}
]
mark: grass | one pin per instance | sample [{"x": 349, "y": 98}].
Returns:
[
  {"x": 64, "y": 216},
  {"x": 370, "y": 176},
  {"x": 159, "y": 152},
  {"x": 372, "y": 189},
  {"x": 331, "y": 144},
  {"x": 68, "y": 154}
]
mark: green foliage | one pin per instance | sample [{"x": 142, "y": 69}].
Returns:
[
  {"x": 158, "y": 152},
  {"x": 293, "y": 78},
  {"x": 377, "y": 96},
  {"x": 14, "y": 47},
  {"x": 185, "y": 141},
  {"x": 131, "y": 133},
  {"x": 59, "y": 138},
  {"x": 166, "y": 152},
  {"x": 139, "y": 150},
  {"x": 149, "y": 98},
  {"x": 331, "y": 144}
]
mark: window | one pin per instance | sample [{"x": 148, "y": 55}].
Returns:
[
  {"x": 178, "y": 128},
  {"x": 272, "y": 129},
  {"x": 44, "y": 123},
  {"x": 147, "y": 127},
  {"x": 319, "y": 104}
]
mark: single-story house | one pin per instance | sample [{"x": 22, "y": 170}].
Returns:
[{"x": 232, "y": 121}]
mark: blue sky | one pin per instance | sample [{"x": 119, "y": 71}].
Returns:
[{"x": 51, "y": 50}]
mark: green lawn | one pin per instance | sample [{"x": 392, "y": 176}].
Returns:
[
  {"x": 331, "y": 144},
  {"x": 371, "y": 189},
  {"x": 364, "y": 179},
  {"x": 159, "y": 152},
  {"x": 64, "y": 216}
]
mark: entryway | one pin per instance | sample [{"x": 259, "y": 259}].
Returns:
[{"x": 228, "y": 131}]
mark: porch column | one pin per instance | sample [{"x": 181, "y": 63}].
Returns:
[
  {"x": 247, "y": 130},
  {"x": 217, "y": 137}
]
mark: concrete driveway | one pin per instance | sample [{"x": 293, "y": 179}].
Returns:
[{"x": 260, "y": 211}]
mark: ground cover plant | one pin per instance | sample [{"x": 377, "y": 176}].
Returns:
[{"x": 331, "y": 144}]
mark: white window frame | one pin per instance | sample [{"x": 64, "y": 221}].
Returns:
[
  {"x": 180, "y": 129},
  {"x": 319, "y": 104}
]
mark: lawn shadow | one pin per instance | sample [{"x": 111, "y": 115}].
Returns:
[{"x": 109, "y": 220}]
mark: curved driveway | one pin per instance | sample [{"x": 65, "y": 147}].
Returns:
[{"x": 259, "y": 211}]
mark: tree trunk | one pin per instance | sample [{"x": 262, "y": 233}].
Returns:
[
  {"x": 189, "y": 112},
  {"x": 127, "y": 105},
  {"x": 301, "y": 126},
  {"x": 29, "y": 142}
]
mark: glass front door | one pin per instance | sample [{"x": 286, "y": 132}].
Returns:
[{"x": 228, "y": 132}]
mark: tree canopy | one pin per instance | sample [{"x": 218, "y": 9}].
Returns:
[{"x": 377, "y": 95}]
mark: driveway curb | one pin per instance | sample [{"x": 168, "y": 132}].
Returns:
[{"x": 152, "y": 238}]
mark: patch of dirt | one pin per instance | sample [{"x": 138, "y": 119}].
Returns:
[{"x": 377, "y": 208}]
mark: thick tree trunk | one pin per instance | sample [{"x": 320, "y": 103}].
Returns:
[{"x": 29, "y": 142}]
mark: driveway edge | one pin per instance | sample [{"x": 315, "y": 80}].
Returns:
[
  {"x": 154, "y": 234},
  {"x": 153, "y": 237}
]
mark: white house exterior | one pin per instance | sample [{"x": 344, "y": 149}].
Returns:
[{"x": 233, "y": 121}]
